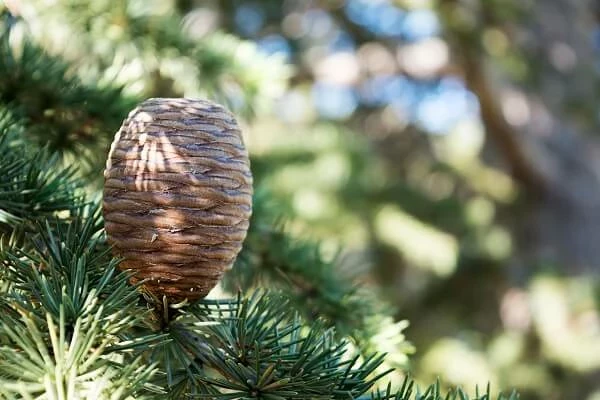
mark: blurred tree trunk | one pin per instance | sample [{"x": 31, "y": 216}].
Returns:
[{"x": 551, "y": 155}]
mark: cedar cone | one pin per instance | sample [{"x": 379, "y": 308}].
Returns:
[{"x": 177, "y": 195}]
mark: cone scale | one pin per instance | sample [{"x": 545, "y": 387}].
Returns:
[{"x": 177, "y": 196}]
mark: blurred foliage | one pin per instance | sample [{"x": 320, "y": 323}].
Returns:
[
  {"x": 59, "y": 112},
  {"x": 378, "y": 144},
  {"x": 140, "y": 45}
]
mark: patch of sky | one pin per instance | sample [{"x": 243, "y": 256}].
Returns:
[
  {"x": 385, "y": 19},
  {"x": 334, "y": 101},
  {"x": 389, "y": 22},
  {"x": 420, "y": 24},
  {"x": 366, "y": 12},
  {"x": 275, "y": 44},
  {"x": 341, "y": 41},
  {"x": 385, "y": 89},
  {"x": 249, "y": 19},
  {"x": 317, "y": 23},
  {"x": 448, "y": 103}
]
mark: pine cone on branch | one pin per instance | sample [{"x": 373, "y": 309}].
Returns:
[{"x": 177, "y": 195}]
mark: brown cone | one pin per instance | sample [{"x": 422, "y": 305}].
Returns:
[{"x": 177, "y": 195}]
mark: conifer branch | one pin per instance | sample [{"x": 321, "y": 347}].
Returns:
[
  {"x": 33, "y": 185},
  {"x": 410, "y": 391},
  {"x": 56, "y": 109},
  {"x": 221, "y": 66},
  {"x": 71, "y": 325},
  {"x": 316, "y": 287}
]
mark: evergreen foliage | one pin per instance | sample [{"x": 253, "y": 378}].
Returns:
[
  {"x": 71, "y": 326},
  {"x": 58, "y": 110},
  {"x": 315, "y": 286},
  {"x": 33, "y": 185}
]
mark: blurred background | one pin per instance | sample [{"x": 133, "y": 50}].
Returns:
[{"x": 449, "y": 148}]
